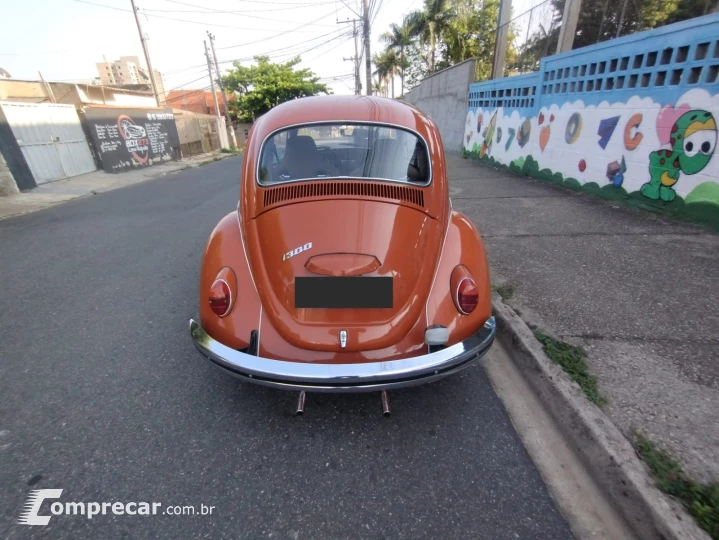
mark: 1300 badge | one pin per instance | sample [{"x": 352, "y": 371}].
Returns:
[{"x": 296, "y": 251}]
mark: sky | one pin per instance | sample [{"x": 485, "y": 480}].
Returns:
[{"x": 64, "y": 39}]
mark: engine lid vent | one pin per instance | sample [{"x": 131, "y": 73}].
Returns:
[{"x": 395, "y": 192}]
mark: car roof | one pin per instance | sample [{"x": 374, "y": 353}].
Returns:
[{"x": 342, "y": 109}]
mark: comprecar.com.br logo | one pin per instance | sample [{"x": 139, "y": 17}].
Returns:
[{"x": 30, "y": 514}]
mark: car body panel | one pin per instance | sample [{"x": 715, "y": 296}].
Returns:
[{"x": 383, "y": 229}]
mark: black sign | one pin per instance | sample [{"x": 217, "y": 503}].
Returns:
[{"x": 130, "y": 138}]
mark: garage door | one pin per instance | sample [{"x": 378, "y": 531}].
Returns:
[{"x": 51, "y": 139}]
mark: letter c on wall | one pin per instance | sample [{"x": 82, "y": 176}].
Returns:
[{"x": 630, "y": 142}]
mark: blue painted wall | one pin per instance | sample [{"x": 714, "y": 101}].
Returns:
[{"x": 606, "y": 114}]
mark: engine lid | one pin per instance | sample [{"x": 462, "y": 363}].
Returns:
[{"x": 343, "y": 239}]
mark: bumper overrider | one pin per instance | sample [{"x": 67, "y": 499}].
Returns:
[{"x": 366, "y": 377}]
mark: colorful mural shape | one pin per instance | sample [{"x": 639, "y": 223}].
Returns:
[
  {"x": 615, "y": 172},
  {"x": 479, "y": 123},
  {"x": 632, "y": 137},
  {"x": 524, "y": 131},
  {"x": 489, "y": 133},
  {"x": 654, "y": 142},
  {"x": 666, "y": 119},
  {"x": 510, "y": 138},
  {"x": 574, "y": 128},
  {"x": 499, "y": 134},
  {"x": 693, "y": 138},
  {"x": 606, "y": 130},
  {"x": 544, "y": 134}
]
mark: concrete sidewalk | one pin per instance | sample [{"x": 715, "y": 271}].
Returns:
[
  {"x": 84, "y": 185},
  {"x": 639, "y": 292}
]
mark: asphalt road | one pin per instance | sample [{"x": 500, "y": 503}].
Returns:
[{"x": 103, "y": 396}]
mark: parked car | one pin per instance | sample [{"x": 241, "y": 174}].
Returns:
[{"x": 344, "y": 268}]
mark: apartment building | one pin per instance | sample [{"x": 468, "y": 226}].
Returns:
[{"x": 128, "y": 70}]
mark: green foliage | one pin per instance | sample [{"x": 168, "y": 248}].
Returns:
[
  {"x": 505, "y": 291},
  {"x": 701, "y": 500},
  {"x": 599, "y": 21},
  {"x": 388, "y": 65},
  {"x": 572, "y": 360},
  {"x": 429, "y": 23},
  {"x": 398, "y": 39},
  {"x": 265, "y": 85}
]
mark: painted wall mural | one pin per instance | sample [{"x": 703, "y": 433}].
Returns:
[
  {"x": 131, "y": 138},
  {"x": 614, "y": 120}
]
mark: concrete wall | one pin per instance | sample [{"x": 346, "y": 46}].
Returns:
[
  {"x": 633, "y": 118},
  {"x": 443, "y": 97},
  {"x": 7, "y": 182},
  {"x": 198, "y": 132},
  {"x": 241, "y": 133}
]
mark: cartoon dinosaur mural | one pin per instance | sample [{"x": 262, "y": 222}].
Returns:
[
  {"x": 489, "y": 133},
  {"x": 693, "y": 138}
]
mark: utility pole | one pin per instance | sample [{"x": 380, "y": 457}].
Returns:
[
  {"x": 621, "y": 18},
  {"x": 355, "y": 58},
  {"x": 368, "y": 54},
  {"x": 569, "y": 25},
  {"x": 230, "y": 131},
  {"x": 214, "y": 95},
  {"x": 48, "y": 90},
  {"x": 500, "y": 44},
  {"x": 143, "y": 40}
]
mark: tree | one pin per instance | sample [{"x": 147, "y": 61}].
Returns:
[
  {"x": 688, "y": 9},
  {"x": 599, "y": 20},
  {"x": 388, "y": 65},
  {"x": 429, "y": 23},
  {"x": 266, "y": 85},
  {"x": 417, "y": 66},
  {"x": 471, "y": 33},
  {"x": 399, "y": 37}
]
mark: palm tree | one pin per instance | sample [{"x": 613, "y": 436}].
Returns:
[
  {"x": 377, "y": 86},
  {"x": 388, "y": 65},
  {"x": 398, "y": 37},
  {"x": 429, "y": 23}
]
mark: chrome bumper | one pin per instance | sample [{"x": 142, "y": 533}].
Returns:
[{"x": 367, "y": 377}]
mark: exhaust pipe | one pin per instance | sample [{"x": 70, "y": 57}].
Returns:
[
  {"x": 385, "y": 404},
  {"x": 300, "y": 404}
]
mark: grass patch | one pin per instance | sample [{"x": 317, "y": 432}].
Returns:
[
  {"x": 572, "y": 360},
  {"x": 231, "y": 151},
  {"x": 505, "y": 291},
  {"x": 701, "y": 500}
]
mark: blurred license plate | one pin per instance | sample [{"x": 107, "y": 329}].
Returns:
[{"x": 343, "y": 292}]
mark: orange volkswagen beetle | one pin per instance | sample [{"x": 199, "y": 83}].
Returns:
[{"x": 344, "y": 268}]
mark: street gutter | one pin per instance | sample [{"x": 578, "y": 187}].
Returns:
[{"x": 605, "y": 452}]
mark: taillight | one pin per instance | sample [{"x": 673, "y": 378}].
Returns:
[
  {"x": 467, "y": 296},
  {"x": 220, "y": 298}
]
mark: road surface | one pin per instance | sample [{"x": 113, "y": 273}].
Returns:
[{"x": 103, "y": 395}]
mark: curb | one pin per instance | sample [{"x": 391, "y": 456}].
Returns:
[{"x": 607, "y": 454}]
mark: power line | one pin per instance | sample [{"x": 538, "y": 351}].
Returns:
[
  {"x": 191, "y": 22},
  {"x": 272, "y": 37},
  {"x": 280, "y": 51},
  {"x": 185, "y": 84},
  {"x": 209, "y": 11}
]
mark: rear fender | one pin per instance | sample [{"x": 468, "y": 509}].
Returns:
[
  {"x": 462, "y": 245},
  {"x": 225, "y": 248}
]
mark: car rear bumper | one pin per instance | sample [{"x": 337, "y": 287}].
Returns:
[{"x": 366, "y": 377}]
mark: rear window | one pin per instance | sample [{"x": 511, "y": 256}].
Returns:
[{"x": 337, "y": 150}]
